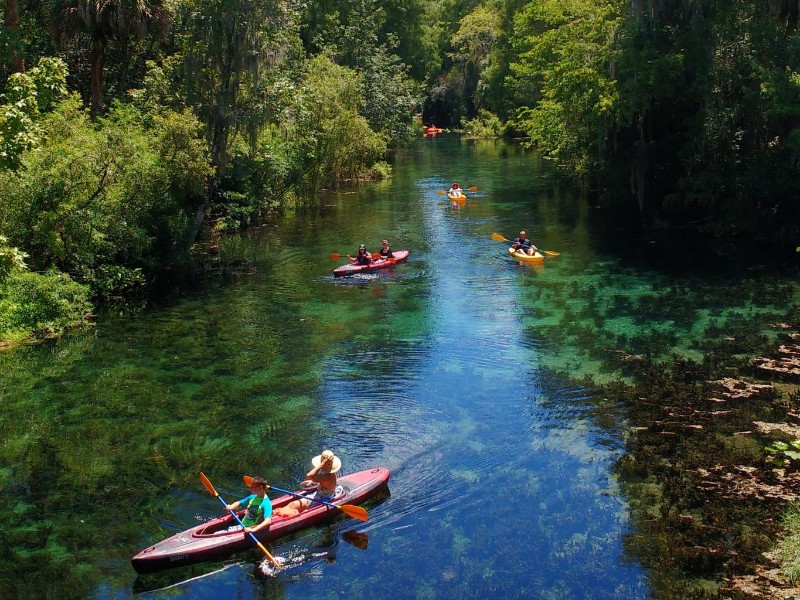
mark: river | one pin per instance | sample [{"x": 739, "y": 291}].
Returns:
[{"x": 456, "y": 370}]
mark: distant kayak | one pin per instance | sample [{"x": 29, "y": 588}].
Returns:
[
  {"x": 433, "y": 130},
  {"x": 211, "y": 541},
  {"x": 536, "y": 257},
  {"x": 374, "y": 265}
]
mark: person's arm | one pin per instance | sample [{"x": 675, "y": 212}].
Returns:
[
  {"x": 263, "y": 525},
  {"x": 312, "y": 474},
  {"x": 233, "y": 506}
]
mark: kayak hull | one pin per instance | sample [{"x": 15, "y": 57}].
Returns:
[
  {"x": 211, "y": 541},
  {"x": 536, "y": 258},
  {"x": 353, "y": 268},
  {"x": 457, "y": 199}
]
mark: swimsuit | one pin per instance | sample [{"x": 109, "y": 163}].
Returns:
[{"x": 320, "y": 494}]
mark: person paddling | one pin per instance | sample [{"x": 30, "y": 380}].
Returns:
[
  {"x": 323, "y": 476},
  {"x": 385, "y": 251},
  {"x": 455, "y": 191},
  {"x": 362, "y": 257},
  {"x": 522, "y": 243},
  {"x": 258, "y": 508}
]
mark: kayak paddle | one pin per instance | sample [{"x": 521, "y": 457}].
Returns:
[
  {"x": 213, "y": 492},
  {"x": 499, "y": 238},
  {"x": 356, "y": 538},
  {"x": 351, "y": 510},
  {"x": 472, "y": 188},
  {"x": 392, "y": 261}
]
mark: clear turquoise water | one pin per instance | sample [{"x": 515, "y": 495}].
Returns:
[{"x": 452, "y": 370}]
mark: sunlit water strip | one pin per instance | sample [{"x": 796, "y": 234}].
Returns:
[{"x": 473, "y": 436}]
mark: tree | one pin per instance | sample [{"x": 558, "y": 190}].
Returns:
[
  {"x": 105, "y": 21},
  {"x": 564, "y": 77},
  {"x": 231, "y": 48},
  {"x": 26, "y": 97},
  {"x": 12, "y": 29},
  {"x": 11, "y": 259}
]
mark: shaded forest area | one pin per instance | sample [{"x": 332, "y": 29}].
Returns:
[{"x": 132, "y": 130}]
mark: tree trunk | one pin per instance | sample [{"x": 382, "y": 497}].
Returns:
[
  {"x": 12, "y": 25},
  {"x": 97, "y": 58}
]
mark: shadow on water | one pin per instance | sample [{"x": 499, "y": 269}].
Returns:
[{"x": 301, "y": 556}]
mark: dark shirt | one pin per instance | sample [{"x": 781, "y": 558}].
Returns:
[
  {"x": 524, "y": 243},
  {"x": 386, "y": 252},
  {"x": 362, "y": 259}
]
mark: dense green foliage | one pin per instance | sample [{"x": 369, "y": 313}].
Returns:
[
  {"x": 676, "y": 111},
  {"x": 204, "y": 115}
]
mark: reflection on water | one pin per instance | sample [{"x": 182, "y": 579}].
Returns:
[{"x": 450, "y": 369}]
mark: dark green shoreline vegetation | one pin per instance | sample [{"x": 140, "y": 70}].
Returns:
[
  {"x": 711, "y": 468},
  {"x": 673, "y": 113},
  {"x": 227, "y": 123}
]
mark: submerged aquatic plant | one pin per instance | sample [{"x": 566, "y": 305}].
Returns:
[
  {"x": 785, "y": 451},
  {"x": 704, "y": 494},
  {"x": 788, "y": 548}
]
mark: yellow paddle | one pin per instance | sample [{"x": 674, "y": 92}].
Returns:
[
  {"x": 351, "y": 510},
  {"x": 472, "y": 188},
  {"x": 213, "y": 492},
  {"x": 499, "y": 238}
]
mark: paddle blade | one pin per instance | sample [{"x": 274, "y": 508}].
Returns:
[
  {"x": 351, "y": 510},
  {"x": 248, "y": 481},
  {"x": 550, "y": 253},
  {"x": 472, "y": 188},
  {"x": 208, "y": 484},
  {"x": 441, "y": 192},
  {"x": 498, "y": 238},
  {"x": 335, "y": 256}
]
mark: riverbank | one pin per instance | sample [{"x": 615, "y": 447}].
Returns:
[{"x": 710, "y": 469}]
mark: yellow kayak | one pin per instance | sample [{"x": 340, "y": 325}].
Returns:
[
  {"x": 459, "y": 199},
  {"x": 536, "y": 257}
]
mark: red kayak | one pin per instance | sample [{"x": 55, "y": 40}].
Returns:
[
  {"x": 433, "y": 130},
  {"x": 374, "y": 265},
  {"x": 210, "y": 541}
]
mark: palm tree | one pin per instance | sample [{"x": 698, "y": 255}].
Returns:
[{"x": 105, "y": 21}]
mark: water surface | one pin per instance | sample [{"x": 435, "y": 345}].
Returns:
[{"x": 456, "y": 370}]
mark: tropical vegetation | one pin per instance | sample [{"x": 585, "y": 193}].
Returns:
[{"x": 134, "y": 134}]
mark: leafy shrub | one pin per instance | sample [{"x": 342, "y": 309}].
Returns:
[
  {"x": 485, "y": 125},
  {"x": 41, "y": 305},
  {"x": 381, "y": 170},
  {"x": 107, "y": 201}
]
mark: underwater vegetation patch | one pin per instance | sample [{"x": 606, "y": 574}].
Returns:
[{"x": 706, "y": 483}]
